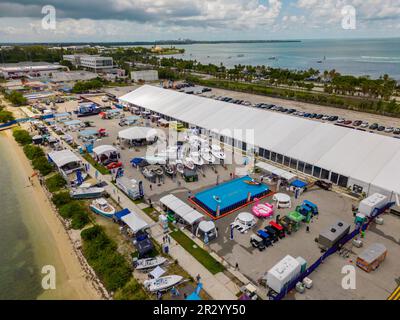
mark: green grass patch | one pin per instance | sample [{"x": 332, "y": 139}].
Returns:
[
  {"x": 99, "y": 167},
  {"x": 33, "y": 152},
  {"x": 110, "y": 266},
  {"x": 75, "y": 211},
  {"x": 131, "y": 291},
  {"x": 55, "y": 183},
  {"x": 22, "y": 136},
  {"x": 61, "y": 198},
  {"x": 200, "y": 254}
]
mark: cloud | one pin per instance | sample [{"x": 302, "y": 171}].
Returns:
[{"x": 198, "y": 13}]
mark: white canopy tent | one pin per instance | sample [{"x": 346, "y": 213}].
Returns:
[
  {"x": 346, "y": 156},
  {"x": 276, "y": 171},
  {"x": 181, "y": 209},
  {"x": 63, "y": 157},
  {"x": 138, "y": 133},
  {"x": 104, "y": 149},
  {"x": 134, "y": 222}
]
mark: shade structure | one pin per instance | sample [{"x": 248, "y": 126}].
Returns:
[
  {"x": 371, "y": 161},
  {"x": 138, "y": 133},
  {"x": 134, "y": 222},
  {"x": 245, "y": 217},
  {"x": 63, "y": 157},
  {"x": 104, "y": 149},
  {"x": 281, "y": 197},
  {"x": 276, "y": 171},
  {"x": 181, "y": 209},
  {"x": 118, "y": 215},
  {"x": 206, "y": 226},
  {"x": 299, "y": 184}
]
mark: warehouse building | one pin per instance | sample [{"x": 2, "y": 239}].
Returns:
[
  {"x": 144, "y": 75},
  {"x": 365, "y": 162}
]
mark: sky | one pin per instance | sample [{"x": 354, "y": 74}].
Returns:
[{"x": 152, "y": 20}]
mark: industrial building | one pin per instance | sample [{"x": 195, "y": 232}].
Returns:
[
  {"x": 90, "y": 62},
  {"x": 144, "y": 75},
  {"x": 365, "y": 162},
  {"x": 28, "y": 69}
]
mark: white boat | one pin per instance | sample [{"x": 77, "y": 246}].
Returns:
[
  {"x": 86, "y": 192},
  {"x": 188, "y": 163},
  {"x": 148, "y": 263},
  {"x": 207, "y": 156},
  {"x": 179, "y": 166},
  {"x": 162, "y": 283},
  {"x": 102, "y": 207},
  {"x": 217, "y": 152},
  {"x": 197, "y": 159}
]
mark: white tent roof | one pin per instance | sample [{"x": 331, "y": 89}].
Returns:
[
  {"x": 157, "y": 272},
  {"x": 104, "y": 149},
  {"x": 134, "y": 222},
  {"x": 276, "y": 171},
  {"x": 63, "y": 157},
  {"x": 138, "y": 133},
  {"x": 368, "y": 157},
  {"x": 182, "y": 209},
  {"x": 206, "y": 226}
]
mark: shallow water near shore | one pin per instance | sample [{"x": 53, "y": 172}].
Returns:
[{"x": 26, "y": 244}]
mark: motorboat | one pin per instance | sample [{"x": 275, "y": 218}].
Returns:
[
  {"x": 148, "y": 263},
  {"x": 86, "y": 192},
  {"x": 188, "y": 163},
  {"x": 148, "y": 173},
  {"x": 102, "y": 207},
  {"x": 196, "y": 158},
  {"x": 169, "y": 169},
  {"x": 217, "y": 152},
  {"x": 207, "y": 156},
  {"x": 162, "y": 283},
  {"x": 180, "y": 167}
]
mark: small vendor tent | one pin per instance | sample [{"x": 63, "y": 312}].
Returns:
[
  {"x": 134, "y": 222},
  {"x": 181, "y": 209}
]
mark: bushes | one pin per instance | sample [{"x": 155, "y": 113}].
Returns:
[
  {"x": 55, "y": 183},
  {"x": 76, "y": 212},
  {"x": 5, "y": 116},
  {"x": 22, "y": 137},
  {"x": 131, "y": 291},
  {"x": 42, "y": 165},
  {"x": 101, "y": 253},
  {"x": 33, "y": 152},
  {"x": 61, "y": 199},
  {"x": 16, "y": 98}
]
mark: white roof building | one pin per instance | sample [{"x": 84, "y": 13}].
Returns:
[
  {"x": 63, "y": 157},
  {"x": 363, "y": 161},
  {"x": 138, "y": 133}
]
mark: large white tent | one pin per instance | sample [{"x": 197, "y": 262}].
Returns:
[
  {"x": 134, "y": 222},
  {"x": 348, "y": 157},
  {"x": 63, "y": 157},
  {"x": 138, "y": 133},
  {"x": 181, "y": 209}
]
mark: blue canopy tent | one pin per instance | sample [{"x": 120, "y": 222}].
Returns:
[
  {"x": 88, "y": 133},
  {"x": 118, "y": 215},
  {"x": 299, "y": 184},
  {"x": 196, "y": 294}
]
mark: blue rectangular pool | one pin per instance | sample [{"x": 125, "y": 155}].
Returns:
[{"x": 229, "y": 196}]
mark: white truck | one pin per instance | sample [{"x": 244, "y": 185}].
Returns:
[
  {"x": 368, "y": 205},
  {"x": 132, "y": 188}
]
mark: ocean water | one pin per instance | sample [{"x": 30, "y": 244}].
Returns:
[
  {"x": 19, "y": 274},
  {"x": 373, "y": 57},
  {"x": 26, "y": 242}
]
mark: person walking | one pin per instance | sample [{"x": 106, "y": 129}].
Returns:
[{"x": 237, "y": 266}]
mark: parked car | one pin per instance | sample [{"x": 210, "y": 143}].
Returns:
[
  {"x": 389, "y": 129},
  {"x": 347, "y": 122},
  {"x": 319, "y": 116},
  {"x": 396, "y": 131},
  {"x": 326, "y": 117},
  {"x": 333, "y": 118},
  {"x": 381, "y": 128},
  {"x": 357, "y": 123},
  {"x": 114, "y": 165},
  {"x": 374, "y": 126},
  {"x": 340, "y": 120},
  {"x": 365, "y": 124}
]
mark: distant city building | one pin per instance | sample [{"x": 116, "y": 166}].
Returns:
[
  {"x": 144, "y": 75},
  {"x": 91, "y": 62},
  {"x": 71, "y": 76},
  {"x": 28, "y": 69}
]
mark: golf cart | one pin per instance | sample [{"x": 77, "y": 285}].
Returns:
[{"x": 257, "y": 242}]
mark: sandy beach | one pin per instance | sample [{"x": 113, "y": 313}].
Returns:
[{"x": 55, "y": 245}]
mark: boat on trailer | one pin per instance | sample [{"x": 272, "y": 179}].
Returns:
[
  {"x": 86, "y": 192},
  {"x": 102, "y": 207},
  {"x": 162, "y": 283},
  {"x": 148, "y": 263}
]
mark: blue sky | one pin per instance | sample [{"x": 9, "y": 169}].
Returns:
[{"x": 148, "y": 20}]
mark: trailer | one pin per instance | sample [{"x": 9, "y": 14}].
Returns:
[
  {"x": 372, "y": 257},
  {"x": 367, "y": 206},
  {"x": 132, "y": 188},
  {"x": 282, "y": 273},
  {"x": 278, "y": 228}
]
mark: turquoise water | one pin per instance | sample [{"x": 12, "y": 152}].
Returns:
[
  {"x": 356, "y": 57},
  {"x": 19, "y": 275},
  {"x": 229, "y": 193}
]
